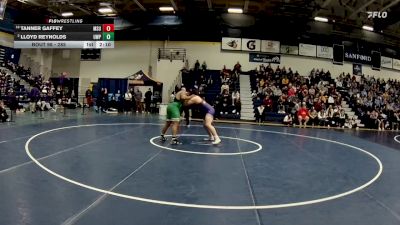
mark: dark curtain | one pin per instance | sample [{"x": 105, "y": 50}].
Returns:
[{"x": 113, "y": 85}]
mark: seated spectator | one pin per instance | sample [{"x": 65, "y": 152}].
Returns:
[
  {"x": 238, "y": 107},
  {"x": 313, "y": 114},
  {"x": 323, "y": 120},
  {"x": 281, "y": 110},
  {"x": 291, "y": 90},
  {"x": 224, "y": 86},
  {"x": 381, "y": 120},
  {"x": 288, "y": 120},
  {"x": 225, "y": 104},
  {"x": 342, "y": 118},
  {"x": 268, "y": 103},
  {"x": 302, "y": 115},
  {"x": 373, "y": 118},
  {"x": 254, "y": 94},
  {"x": 336, "y": 117},
  {"x": 350, "y": 123},
  {"x": 235, "y": 97},
  {"x": 329, "y": 115}
]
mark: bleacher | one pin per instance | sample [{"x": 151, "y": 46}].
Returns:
[{"x": 211, "y": 92}]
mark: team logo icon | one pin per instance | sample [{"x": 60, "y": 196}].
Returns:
[{"x": 232, "y": 44}]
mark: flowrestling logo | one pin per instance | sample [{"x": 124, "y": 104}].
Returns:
[{"x": 377, "y": 14}]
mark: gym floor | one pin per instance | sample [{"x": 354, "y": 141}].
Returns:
[{"x": 113, "y": 169}]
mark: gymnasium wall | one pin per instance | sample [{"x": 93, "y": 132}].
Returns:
[
  {"x": 215, "y": 59},
  {"x": 167, "y": 72},
  {"x": 125, "y": 59},
  {"x": 129, "y": 57},
  {"x": 67, "y": 60}
]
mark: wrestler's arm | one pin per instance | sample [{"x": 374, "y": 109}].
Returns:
[{"x": 186, "y": 97}]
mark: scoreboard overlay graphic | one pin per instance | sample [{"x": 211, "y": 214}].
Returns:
[{"x": 65, "y": 33}]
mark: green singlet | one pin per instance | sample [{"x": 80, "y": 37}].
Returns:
[{"x": 174, "y": 111}]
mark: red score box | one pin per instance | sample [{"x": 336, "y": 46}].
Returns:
[{"x": 108, "y": 27}]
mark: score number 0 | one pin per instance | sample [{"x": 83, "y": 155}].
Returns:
[{"x": 108, "y": 27}]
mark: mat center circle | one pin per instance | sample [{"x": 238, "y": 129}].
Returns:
[{"x": 206, "y": 147}]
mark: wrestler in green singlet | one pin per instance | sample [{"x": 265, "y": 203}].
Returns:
[{"x": 174, "y": 111}]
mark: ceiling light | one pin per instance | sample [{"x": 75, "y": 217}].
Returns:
[
  {"x": 105, "y": 10},
  {"x": 166, "y": 9},
  {"x": 67, "y": 14},
  {"x": 321, "y": 19},
  {"x": 365, "y": 27},
  {"x": 105, "y": 4},
  {"x": 23, "y": 1},
  {"x": 235, "y": 10}
]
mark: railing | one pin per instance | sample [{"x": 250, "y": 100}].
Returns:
[
  {"x": 177, "y": 81},
  {"x": 172, "y": 53}
]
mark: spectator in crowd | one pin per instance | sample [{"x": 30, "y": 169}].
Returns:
[
  {"x": 322, "y": 118},
  {"x": 313, "y": 114},
  {"x": 3, "y": 112},
  {"x": 342, "y": 118},
  {"x": 381, "y": 120},
  {"x": 288, "y": 120},
  {"x": 197, "y": 65},
  {"x": 204, "y": 66},
  {"x": 34, "y": 96},
  {"x": 260, "y": 115},
  {"x": 303, "y": 115},
  {"x": 268, "y": 103},
  {"x": 281, "y": 110},
  {"x": 88, "y": 95},
  {"x": 237, "y": 68},
  {"x": 224, "y": 86},
  {"x": 127, "y": 101},
  {"x": 138, "y": 99},
  {"x": 147, "y": 100}
]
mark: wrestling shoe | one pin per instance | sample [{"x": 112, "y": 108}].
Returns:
[
  {"x": 163, "y": 139},
  {"x": 175, "y": 142},
  {"x": 216, "y": 141},
  {"x": 208, "y": 139}
]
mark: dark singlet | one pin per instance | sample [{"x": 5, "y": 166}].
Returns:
[{"x": 208, "y": 108}]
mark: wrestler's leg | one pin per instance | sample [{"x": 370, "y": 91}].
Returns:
[{"x": 208, "y": 124}]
